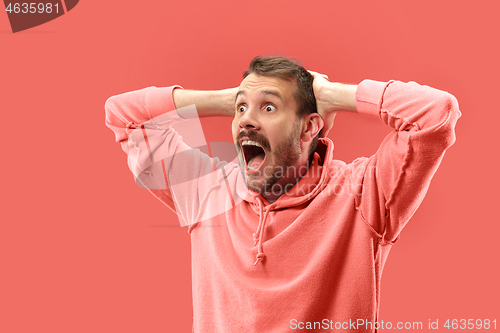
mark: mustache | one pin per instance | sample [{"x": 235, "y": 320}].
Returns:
[{"x": 254, "y": 136}]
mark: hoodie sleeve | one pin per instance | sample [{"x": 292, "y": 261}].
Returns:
[
  {"x": 396, "y": 179},
  {"x": 180, "y": 176}
]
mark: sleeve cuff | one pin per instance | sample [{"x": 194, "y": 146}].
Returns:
[
  {"x": 160, "y": 101},
  {"x": 369, "y": 97}
]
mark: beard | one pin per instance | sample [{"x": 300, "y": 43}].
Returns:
[{"x": 280, "y": 173}]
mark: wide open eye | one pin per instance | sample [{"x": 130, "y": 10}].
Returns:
[
  {"x": 269, "y": 108},
  {"x": 242, "y": 108}
]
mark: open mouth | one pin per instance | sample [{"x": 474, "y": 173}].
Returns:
[{"x": 253, "y": 153}]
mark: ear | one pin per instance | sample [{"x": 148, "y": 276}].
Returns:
[{"x": 313, "y": 123}]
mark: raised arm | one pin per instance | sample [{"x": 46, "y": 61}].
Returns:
[
  {"x": 161, "y": 162},
  {"x": 130, "y": 109},
  {"x": 208, "y": 103},
  {"x": 395, "y": 179}
]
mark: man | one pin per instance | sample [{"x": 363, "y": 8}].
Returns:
[{"x": 290, "y": 239}]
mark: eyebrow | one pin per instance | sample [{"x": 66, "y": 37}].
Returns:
[{"x": 264, "y": 92}]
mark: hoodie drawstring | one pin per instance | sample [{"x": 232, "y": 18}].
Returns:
[{"x": 257, "y": 236}]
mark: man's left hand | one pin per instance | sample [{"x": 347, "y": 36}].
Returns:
[{"x": 332, "y": 97}]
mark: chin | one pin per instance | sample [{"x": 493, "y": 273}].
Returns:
[{"x": 255, "y": 185}]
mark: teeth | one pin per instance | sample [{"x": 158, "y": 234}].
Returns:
[
  {"x": 250, "y": 143},
  {"x": 250, "y": 163}
]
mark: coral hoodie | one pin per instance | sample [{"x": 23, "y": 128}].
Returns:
[{"x": 313, "y": 259}]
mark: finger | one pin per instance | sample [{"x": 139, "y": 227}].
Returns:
[
  {"x": 316, "y": 74},
  {"x": 323, "y": 133}
]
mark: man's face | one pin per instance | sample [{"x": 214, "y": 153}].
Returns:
[{"x": 266, "y": 132}]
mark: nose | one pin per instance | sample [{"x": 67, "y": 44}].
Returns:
[{"x": 249, "y": 119}]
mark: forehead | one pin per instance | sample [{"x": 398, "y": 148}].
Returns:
[{"x": 257, "y": 84}]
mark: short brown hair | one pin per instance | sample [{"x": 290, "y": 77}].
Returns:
[
  {"x": 290, "y": 70},
  {"x": 287, "y": 69}
]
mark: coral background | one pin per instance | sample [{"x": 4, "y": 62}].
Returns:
[{"x": 83, "y": 249}]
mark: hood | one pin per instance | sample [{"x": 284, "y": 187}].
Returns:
[{"x": 308, "y": 187}]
